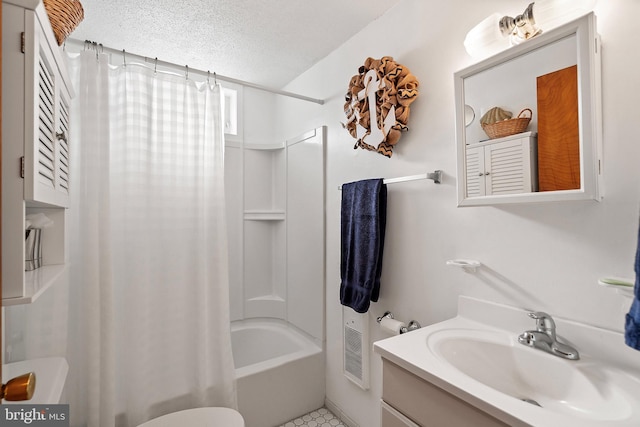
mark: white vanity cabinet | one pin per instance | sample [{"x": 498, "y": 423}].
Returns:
[
  {"x": 36, "y": 96},
  {"x": 410, "y": 401},
  {"x": 502, "y": 166}
]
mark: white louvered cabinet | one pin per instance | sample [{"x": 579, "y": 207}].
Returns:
[
  {"x": 502, "y": 166},
  {"x": 47, "y": 98},
  {"x": 36, "y": 99}
]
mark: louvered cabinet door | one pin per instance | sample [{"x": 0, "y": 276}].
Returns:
[
  {"x": 502, "y": 166},
  {"x": 46, "y": 160},
  {"x": 508, "y": 167},
  {"x": 475, "y": 171},
  {"x": 63, "y": 178}
]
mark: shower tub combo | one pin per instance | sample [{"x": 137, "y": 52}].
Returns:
[{"x": 279, "y": 371}]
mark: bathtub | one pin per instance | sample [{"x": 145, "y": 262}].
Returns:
[{"x": 279, "y": 372}]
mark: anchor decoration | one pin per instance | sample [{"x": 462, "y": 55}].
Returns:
[{"x": 377, "y": 104}]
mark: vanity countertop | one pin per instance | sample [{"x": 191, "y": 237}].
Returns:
[{"x": 611, "y": 369}]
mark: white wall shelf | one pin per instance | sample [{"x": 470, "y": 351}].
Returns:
[
  {"x": 622, "y": 286},
  {"x": 36, "y": 282},
  {"x": 51, "y": 375},
  {"x": 468, "y": 265}
]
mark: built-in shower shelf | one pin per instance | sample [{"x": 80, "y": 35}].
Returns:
[
  {"x": 266, "y": 215},
  {"x": 266, "y": 147},
  {"x": 36, "y": 282}
]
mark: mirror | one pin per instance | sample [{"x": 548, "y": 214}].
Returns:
[
  {"x": 554, "y": 78},
  {"x": 469, "y": 115}
]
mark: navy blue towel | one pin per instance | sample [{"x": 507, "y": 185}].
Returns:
[
  {"x": 364, "y": 217},
  {"x": 632, "y": 324}
]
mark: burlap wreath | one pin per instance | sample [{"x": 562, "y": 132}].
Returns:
[{"x": 393, "y": 88}]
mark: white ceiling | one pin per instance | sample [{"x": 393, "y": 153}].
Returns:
[{"x": 268, "y": 42}]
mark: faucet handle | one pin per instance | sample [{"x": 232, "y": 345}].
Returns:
[
  {"x": 539, "y": 315},
  {"x": 541, "y": 319}
]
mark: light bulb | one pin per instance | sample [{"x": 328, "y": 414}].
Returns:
[
  {"x": 549, "y": 14},
  {"x": 485, "y": 39}
]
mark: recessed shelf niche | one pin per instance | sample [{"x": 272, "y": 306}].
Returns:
[
  {"x": 264, "y": 180},
  {"x": 265, "y": 282}
]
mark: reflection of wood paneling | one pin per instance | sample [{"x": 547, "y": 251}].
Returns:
[
  {"x": 1, "y": 328},
  {"x": 558, "y": 133}
]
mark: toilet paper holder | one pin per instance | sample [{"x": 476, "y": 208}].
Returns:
[{"x": 411, "y": 326}]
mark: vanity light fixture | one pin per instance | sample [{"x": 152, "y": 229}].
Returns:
[
  {"x": 497, "y": 32},
  {"x": 485, "y": 39}
]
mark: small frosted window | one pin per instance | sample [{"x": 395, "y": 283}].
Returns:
[{"x": 230, "y": 111}]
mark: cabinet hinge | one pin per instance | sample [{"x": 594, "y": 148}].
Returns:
[
  {"x": 22, "y": 167},
  {"x": 22, "y": 42}
]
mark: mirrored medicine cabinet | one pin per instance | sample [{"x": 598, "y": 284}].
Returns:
[{"x": 556, "y": 75}]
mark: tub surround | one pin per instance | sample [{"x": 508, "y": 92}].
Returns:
[
  {"x": 416, "y": 357},
  {"x": 276, "y": 225},
  {"x": 276, "y": 253}
]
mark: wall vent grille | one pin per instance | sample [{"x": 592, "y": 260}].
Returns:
[
  {"x": 353, "y": 352},
  {"x": 356, "y": 347}
]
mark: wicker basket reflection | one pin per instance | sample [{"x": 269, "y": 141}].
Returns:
[
  {"x": 508, "y": 127},
  {"x": 64, "y": 15}
]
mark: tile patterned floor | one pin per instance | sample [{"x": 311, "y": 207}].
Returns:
[{"x": 319, "y": 418}]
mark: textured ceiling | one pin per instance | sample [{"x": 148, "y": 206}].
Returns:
[{"x": 268, "y": 42}]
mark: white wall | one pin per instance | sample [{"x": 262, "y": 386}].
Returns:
[{"x": 545, "y": 257}]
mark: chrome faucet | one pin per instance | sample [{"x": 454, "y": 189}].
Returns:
[{"x": 544, "y": 337}]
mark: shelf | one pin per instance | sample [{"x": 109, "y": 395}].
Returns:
[
  {"x": 267, "y": 215},
  {"x": 274, "y": 298},
  {"x": 468, "y": 265},
  {"x": 622, "y": 286},
  {"x": 265, "y": 147},
  {"x": 36, "y": 282},
  {"x": 51, "y": 374}
]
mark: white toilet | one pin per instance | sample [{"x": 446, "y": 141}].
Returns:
[{"x": 198, "y": 417}]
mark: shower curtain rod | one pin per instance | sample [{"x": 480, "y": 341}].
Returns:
[{"x": 188, "y": 69}]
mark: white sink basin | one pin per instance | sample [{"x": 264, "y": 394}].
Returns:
[
  {"x": 476, "y": 357},
  {"x": 584, "y": 388}
]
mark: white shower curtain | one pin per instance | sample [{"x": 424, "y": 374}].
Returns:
[{"x": 149, "y": 319}]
